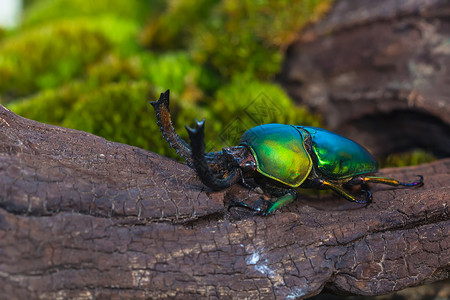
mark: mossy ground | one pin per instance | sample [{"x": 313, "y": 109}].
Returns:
[{"x": 94, "y": 65}]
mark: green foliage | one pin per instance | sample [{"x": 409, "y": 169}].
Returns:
[
  {"x": 174, "y": 28},
  {"x": 44, "y": 11},
  {"x": 28, "y": 3},
  {"x": 409, "y": 158},
  {"x": 87, "y": 65},
  {"x": 120, "y": 112},
  {"x": 91, "y": 64},
  {"x": 51, "y": 106},
  {"x": 51, "y": 55},
  {"x": 172, "y": 69},
  {"x": 246, "y": 103},
  {"x": 177, "y": 71},
  {"x": 115, "y": 68},
  {"x": 116, "y": 111},
  {"x": 233, "y": 36},
  {"x": 249, "y": 35}
]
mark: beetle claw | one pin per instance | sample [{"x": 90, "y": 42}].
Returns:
[
  {"x": 197, "y": 136},
  {"x": 260, "y": 208},
  {"x": 162, "y": 101},
  {"x": 198, "y": 132},
  {"x": 418, "y": 182},
  {"x": 367, "y": 197},
  {"x": 200, "y": 125}
]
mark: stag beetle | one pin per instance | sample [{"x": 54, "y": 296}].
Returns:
[{"x": 280, "y": 158}]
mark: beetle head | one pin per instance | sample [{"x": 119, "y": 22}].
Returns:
[
  {"x": 217, "y": 170},
  {"x": 240, "y": 156}
]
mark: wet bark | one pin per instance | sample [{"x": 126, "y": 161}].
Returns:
[
  {"x": 377, "y": 71},
  {"x": 84, "y": 217}
]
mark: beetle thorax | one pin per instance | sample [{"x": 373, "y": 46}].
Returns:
[{"x": 240, "y": 156}]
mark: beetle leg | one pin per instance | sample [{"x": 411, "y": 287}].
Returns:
[
  {"x": 161, "y": 106},
  {"x": 256, "y": 207},
  {"x": 207, "y": 174},
  {"x": 280, "y": 202},
  {"x": 383, "y": 180},
  {"x": 243, "y": 182},
  {"x": 265, "y": 207},
  {"x": 320, "y": 183},
  {"x": 164, "y": 122}
]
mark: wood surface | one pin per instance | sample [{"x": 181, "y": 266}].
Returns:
[{"x": 83, "y": 217}]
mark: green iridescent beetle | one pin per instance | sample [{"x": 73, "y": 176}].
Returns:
[{"x": 278, "y": 158}]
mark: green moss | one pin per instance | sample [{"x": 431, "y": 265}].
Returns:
[
  {"x": 246, "y": 103},
  {"x": 170, "y": 69},
  {"x": 44, "y": 11},
  {"x": 50, "y": 106},
  {"x": 247, "y": 36},
  {"x": 174, "y": 26},
  {"x": 120, "y": 112},
  {"x": 51, "y": 62},
  {"x": 177, "y": 71},
  {"x": 174, "y": 70},
  {"x": 409, "y": 158},
  {"x": 233, "y": 36},
  {"x": 48, "y": 56},
  {"x": 112, "y": 111},
  {"x": 28, "y": 3},
  {"x": 114, "y": 68},
  {"x": 87, "y": 70}
]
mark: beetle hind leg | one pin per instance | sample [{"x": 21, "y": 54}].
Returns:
[
  {"x": 384, "y": 180},
  {"x": 366, "y": 197}
]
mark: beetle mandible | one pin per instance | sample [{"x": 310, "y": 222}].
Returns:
[{"x": 280, "y": 158}]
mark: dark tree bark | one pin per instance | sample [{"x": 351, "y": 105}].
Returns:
[
  {"x": 84, "y": 217},
  {"x": 378, "y": 73}
]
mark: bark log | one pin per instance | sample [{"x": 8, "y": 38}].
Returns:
[
  {"x": 84, "y": 217},
  {"x": 377, "y": 71}
]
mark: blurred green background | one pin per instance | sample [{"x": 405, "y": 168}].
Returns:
[{"x": 94, "y": 65}]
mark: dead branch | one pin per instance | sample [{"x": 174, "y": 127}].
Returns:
[{"x": 84, "y": 217}]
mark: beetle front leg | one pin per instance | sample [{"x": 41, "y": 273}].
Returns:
[
  {"x": 265, "y": 207},
  {"x": 282, "y": 201},
  {"x": 204, "y": 172},
  {"x": 320, "y": 183},
  {"x": 164, "y": 122}
]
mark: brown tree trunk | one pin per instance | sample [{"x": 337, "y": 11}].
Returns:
[{"x": 84, "y": 217}]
